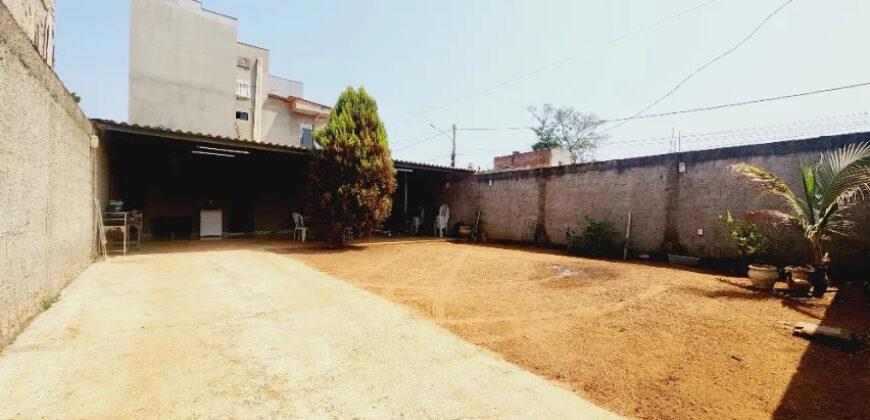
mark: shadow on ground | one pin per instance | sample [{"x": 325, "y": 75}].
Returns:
[{"x": 830, "y": 382}]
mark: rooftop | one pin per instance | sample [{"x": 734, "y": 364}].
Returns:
[{"x": 168, "y": 133}]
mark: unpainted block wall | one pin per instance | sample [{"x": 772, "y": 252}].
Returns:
[
  {"x": 48, "y": 177},
  {"x": 668, "y": 207}
]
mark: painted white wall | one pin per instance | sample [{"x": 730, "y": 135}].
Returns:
[
  {"x": 282, "y": 126},
  {"x": 285, "y": 87},
  {"x": 244, "y": 129},
  {"x": 182, "y": 67}
]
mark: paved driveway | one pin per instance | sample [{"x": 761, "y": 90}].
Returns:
[{"x": 236, "y": 329}]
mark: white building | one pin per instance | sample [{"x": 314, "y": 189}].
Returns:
[{"x": 189, "y": 72}]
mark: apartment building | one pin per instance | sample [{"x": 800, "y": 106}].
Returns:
[
  {"x": 36, "y": 17},
  {"x": 189, "y": 72}
]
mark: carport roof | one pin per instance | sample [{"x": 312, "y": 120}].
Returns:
[{"x": 110, "y": 126}]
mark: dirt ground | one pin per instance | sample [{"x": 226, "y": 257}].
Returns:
[
  {"x": 646, "y": 341},
  {"x": 234, "y": 329}
]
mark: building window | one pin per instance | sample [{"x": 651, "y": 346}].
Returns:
[
  {"x": 243, "y": 89},
  {"x": 307, "y": 139},
  {"x": 240, "y": 115}
]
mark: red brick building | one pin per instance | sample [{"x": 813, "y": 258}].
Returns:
[{"x": 534, "y": 159}]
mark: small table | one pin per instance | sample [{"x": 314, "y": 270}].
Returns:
[{"x": 124, "y": 222}]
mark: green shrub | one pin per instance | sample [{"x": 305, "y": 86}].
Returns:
[
  {"x": 750, "y": 240},
  {"x": 598, "y": 239}
]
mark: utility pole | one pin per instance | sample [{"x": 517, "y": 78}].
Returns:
[
  {"x": 453, "y": 152},
  {"x": 453, "y": 139}
]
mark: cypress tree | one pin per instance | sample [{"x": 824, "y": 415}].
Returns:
[{"x": 352, "y": 175}]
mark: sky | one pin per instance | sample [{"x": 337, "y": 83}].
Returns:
[{"x": 481, "y": 64}]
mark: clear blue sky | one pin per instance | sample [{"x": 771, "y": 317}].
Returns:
[{"x": 416, "y": 56}]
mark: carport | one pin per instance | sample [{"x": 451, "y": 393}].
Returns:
[{"x": 175, "y": 177}]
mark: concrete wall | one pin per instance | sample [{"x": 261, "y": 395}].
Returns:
[
  {"x": 182, "y": 67},
  {"x": 285, "y": 87},
  {"x": 49, "y": 175},
  {"x": 245, "y": 129},
  {"x": 283, "y": 126},
  {"x": 668, "y": 207},
  {"x": 36, "y": 18}
]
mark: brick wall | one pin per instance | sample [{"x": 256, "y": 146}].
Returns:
[
  {"x": 527, "y": 160},
  {"x": 668, "y": 207},
  {"x": 48, "y": 177}
]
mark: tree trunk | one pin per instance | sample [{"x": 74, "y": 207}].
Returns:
[
  {"x": 819, "y": 278},
  {"x": 817, "y": 249},
  {"x": 336, "y": 240}
]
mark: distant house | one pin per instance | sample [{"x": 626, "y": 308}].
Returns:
[
  {"x": 534, "y": 159},
  {"x": 188, "y": 72}
]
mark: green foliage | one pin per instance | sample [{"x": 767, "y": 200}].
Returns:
[
  {"x": 567, "y": 128},
  {"x": 598, "y": 239},
  {"x": 546, "y": 140},
  {"x": 839, "y": 180},
  {"x": 352, "y": 175},
  {"x": 76, "y": 97},
  {"x": 750, "y": 240}
]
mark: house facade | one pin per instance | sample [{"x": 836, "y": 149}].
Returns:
[
  {"x": 36, "y": 18},
  {"x": 189, "y": 72}
]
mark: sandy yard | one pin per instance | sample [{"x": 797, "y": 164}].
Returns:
[
  {"x": 643, "y": 340},
  {"x": 232, "y": 329}
]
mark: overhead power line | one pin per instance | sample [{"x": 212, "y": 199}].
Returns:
[
  {"x": 707, "y": 64},
  {"x": 734, "y": 104},
  {"x": 699, "y": 109},
  {"x": 566, "y": 59},
  {"x": 788, "y": 131},
  {"x": 418, "y": 142},
  {"x": 830, "y": 125},
  {"x": 825, "y": 121}
]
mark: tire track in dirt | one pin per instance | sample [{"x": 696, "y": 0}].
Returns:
[{"x": 461, "y": 287}]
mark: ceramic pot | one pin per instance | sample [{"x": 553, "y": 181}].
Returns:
[
  {"x": 763, "y": 276},
  {"x": 800, "y": 278}
]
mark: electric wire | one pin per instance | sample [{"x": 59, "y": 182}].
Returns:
[
  {"x": 565, "y": 59},
  {"x": 705, "y": 65}
]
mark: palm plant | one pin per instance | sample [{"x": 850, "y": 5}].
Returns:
[{"x": 839, "y": 180}]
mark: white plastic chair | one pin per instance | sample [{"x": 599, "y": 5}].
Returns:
[
  {"x": 300, "y": 232},
  {"x": 441, "y": 220}
]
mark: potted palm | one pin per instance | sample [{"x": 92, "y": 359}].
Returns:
[
  {"x": 839, "y": 180},
  {"x": 751, "y": 242}
]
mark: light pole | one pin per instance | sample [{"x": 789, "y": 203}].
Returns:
[{"x": 452, "y": 139}]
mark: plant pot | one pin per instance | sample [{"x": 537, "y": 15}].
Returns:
[
  {"x": 800, "y": 279},
  {"x": 464, "y": 230},
  {"x": 683, "y": 260},
  {"x": 763, "y": 276}
]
